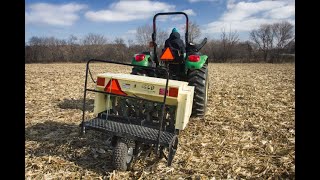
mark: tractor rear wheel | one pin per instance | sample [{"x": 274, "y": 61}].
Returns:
[
  {"x": 199, "y": 78},
  {"x": 122, "y": 155}
]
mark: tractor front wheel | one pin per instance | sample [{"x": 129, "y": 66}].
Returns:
[{"x": 199, "y": 78}]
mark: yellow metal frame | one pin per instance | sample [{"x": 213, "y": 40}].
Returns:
[{"x": 148, "y": 88}]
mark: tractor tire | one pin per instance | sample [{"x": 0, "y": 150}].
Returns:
[
  {"x": 122, "y": 155},
  {"x": 137, "y": 71},
  {"x": 199, "y": 78},
  {"x": 140, "y": 72}
]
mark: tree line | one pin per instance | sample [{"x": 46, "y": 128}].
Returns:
[{"x": 271, "y": 43}]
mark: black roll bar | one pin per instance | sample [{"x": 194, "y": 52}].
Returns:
[{"x": 154, "y": 34}]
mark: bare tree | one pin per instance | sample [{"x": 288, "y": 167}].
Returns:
[
  {"x": 212, "y": 49},
  {"x": 130, "y": 42},
  {"x": 93, "y": 46},
  {"x": 72, "y": 53},
  {"x": 119, "y": 41},
  {"x": 194, "y": 31},
  {"x": 228, "y": 43},
  {"x": 35, "y": 41},
  {"x": 263, "y": 37},
  {"x": 290, "y": 47},
  {"x": 283, "y": 35},
  {"x": 94, "y": 39},
  {"x": 249, "y": 50},
  {"x": 119, "y": 49},
  {"x": 144, "y": 35},
  {"x": 162, "y": 36},
  {"x": 34, "y": 50},
  {"x": 72, "y": 40},
  {"x": 269, "y": 41},
  {"x": 242, "y": 52}
]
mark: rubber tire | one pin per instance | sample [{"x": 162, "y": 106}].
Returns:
[
  {"x": 136, "y": 71},
  {"x": 199, "y": 79},
  {"x": 120, "y": 153}
]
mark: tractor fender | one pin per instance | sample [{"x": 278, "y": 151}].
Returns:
[
  {"x": 197, "y": 65},
  {"x": 144, "y": 62}
]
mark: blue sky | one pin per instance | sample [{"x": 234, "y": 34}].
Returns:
[{"x": 120, "y": 18}]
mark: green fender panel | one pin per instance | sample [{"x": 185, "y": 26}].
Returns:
[
  {"x": 196, "y": 65},
  {"x": 144, "y": 62}
]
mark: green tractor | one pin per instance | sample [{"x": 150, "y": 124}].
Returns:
[
  {"x": 145, "y": 111},
  {"x": 191, "y": 66}
]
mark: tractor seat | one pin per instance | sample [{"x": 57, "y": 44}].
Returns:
[{"x": 177, "y": 56}]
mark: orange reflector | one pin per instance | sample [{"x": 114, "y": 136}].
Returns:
[
  {"x": 114, "y": 87},
  {"x": 167, "y": 55},
  {"x": 173, "y": 92},
  {"x": 100, "y": 81}
]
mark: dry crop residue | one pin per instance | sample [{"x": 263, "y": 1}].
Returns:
[{"x": 249, "y": 131}]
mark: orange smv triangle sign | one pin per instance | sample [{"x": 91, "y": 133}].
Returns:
[{"x": 167, "y": 55}]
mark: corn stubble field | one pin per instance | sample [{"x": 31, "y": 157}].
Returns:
[{"x": 248, "y": 133}]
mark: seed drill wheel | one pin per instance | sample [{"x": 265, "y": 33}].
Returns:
[
  {"x": 173, "y": 146},
  {"x": 122, "y": 155},
  {"x": 199, "y": 78}
]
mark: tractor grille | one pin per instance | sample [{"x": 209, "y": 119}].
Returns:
[{"x": 129, "y": 130}]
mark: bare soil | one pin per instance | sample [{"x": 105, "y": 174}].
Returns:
[{"x": 248, "y": 133}]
